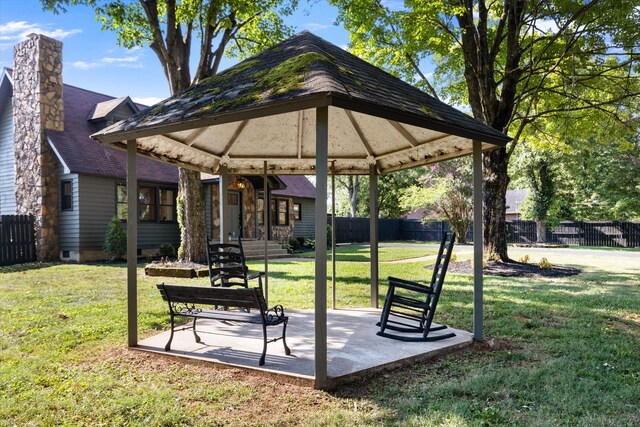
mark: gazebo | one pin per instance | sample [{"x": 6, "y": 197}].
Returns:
[{"x": 304, "y": 106}]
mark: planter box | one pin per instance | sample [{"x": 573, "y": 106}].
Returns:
[{"x": 160, "y": 270}]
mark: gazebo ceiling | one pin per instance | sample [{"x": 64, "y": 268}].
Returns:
[{"x": 263, "y": 109}]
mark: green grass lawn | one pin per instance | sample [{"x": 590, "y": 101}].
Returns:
[
  {"x": 563, "y": 352},
  {"x": 361, "y": 253}
]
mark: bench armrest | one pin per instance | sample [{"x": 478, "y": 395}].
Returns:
[
  {"x": 407, "y": 284},
  {"x": 274, "y": 315}
]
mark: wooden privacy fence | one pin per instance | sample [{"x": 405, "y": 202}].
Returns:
[
  {"x": 585, "y": 233},
  {"x": 615, "y": 234},
  {"x": 17, "y": 239}
]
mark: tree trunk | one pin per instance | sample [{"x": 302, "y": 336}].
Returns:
[
  {"x": 192, "y": 227},
  {"x": 354, "y": 187},
  {"x": 541, "y": 231},
  {"x": 496, "y": 181}
]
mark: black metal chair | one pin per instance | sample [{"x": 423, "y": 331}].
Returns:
[
  {"x": 227, "y": 265},
  {"x": 409, "y": 306}
]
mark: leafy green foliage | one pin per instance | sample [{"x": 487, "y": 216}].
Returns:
[
  {"x": 115, "y": 239},
  {"x": 446, "y": 192}
]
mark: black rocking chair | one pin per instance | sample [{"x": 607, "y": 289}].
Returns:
[
  {"x": 227, "y": 265},
  {"x": 409, "y": 306}
]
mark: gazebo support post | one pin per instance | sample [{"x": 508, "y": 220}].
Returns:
[
  {"x": 477, "y": 242},
  {"x": 132, "y": 245},
  {"x": 322, "y": 142},
  {"x": 373, "y": 232},
  {"x": 333, "y": 234},
  {"x": 265, "y": 209},
  {"x": 223, "y": 191}
]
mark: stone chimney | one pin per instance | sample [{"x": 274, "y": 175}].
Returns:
[{"x": 37, "y": 107}]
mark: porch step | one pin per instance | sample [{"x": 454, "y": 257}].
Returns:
[{"x": 254, "y": 249}]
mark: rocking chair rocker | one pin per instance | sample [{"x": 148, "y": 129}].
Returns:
[{"x": 411, "y": 310}]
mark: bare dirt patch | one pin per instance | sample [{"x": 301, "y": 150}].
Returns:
[{"x": 514, "y": 269}]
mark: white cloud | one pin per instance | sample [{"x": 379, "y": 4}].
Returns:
[
  {"x": 84, "y": 65},
  {"x": 15, "y": 31},
  {"x": 314, "y": 26},
  {"x": 126, "y": 62},
  {"x": 126, "y": 59},
  {"x": 149, "y": 100}
]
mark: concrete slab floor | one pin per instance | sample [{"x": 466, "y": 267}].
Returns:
[{"x": 353, "y": 347}]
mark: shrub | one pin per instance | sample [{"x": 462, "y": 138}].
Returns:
[
  {"x": 294, "y": 244},
  {"x": 524, "y": 259},
  {"x": 166, "y": 250},
  {"x": 301, "y": 241},
  {"x": 545, "y": 264},
  {"x": 328, "y": 236},
  {"x": 115, "y": 240}
]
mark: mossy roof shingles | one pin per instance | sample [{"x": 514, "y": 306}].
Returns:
[
  {"x": 301, "y": 67},
  {"x": 262, "y": 110}
]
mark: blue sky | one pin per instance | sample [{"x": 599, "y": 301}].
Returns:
[{"x": 93, "y": 60}]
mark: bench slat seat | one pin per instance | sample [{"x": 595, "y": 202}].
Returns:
[{"x": 197, "y": 302}]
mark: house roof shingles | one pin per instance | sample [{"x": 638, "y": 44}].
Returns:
[
  {"x": 83, "y": 155},
  {"x": 296, "y": 186}
]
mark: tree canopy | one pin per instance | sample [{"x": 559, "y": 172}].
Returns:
[{"x": 503, "y": 60}]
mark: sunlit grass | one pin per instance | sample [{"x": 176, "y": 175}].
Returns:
[
  {"x": 362, "y": 253},
  {"x": 565, "y": 352}
]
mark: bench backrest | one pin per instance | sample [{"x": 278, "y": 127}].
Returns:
[{"x": 226, "y": 297}]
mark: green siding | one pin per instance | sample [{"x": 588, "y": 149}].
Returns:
[
  {"x": 306, "y": 226},
  {"x": 68, "y": 220},
  {"x": 98, "y": 205}
]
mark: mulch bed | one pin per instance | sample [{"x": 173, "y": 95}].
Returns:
[{"x": 514, "y": 269}]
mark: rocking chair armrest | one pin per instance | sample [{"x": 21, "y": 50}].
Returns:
[
  {"x": 407, "y": 284},
  {"x": 255, "y": 275}
]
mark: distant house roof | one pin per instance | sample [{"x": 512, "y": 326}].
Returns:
[
  {"x": 296, "y": 186},
  {"x": 83, "y": 155},
  {"x": 102, "y": 110},
  {"x": 515, "y": 199},
  {"x": 417, "y": 214}
]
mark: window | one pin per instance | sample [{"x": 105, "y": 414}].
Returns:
[
  {"x": 121, "y": 202},
  {"x": 280, "y": 212},
  {"x": 297, "y": 211},
  {"x": 146, "y": 204},
  {"x": 167, "y": 205},
  {"x": 151, "y": 201},
  {"x": 66, "y": 195}
]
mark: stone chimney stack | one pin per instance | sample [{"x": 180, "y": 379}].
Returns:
[{"x": 38, "y": 107}]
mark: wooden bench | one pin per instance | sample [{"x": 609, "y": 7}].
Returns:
[{"x": 200, "y": 302}]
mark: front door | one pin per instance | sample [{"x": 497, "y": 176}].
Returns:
[{"x": 235, "y": 212}]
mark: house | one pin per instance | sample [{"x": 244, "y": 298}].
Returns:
[
  {"x": 50, "y": 168},
  {"x": 514, "y": 200}
]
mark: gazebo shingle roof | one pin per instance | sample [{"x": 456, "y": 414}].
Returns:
[{"x": 298, "y": 74}]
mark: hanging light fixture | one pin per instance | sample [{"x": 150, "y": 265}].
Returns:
[{"x": 238, "y": 183}]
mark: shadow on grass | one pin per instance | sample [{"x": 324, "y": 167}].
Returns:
[{"x": 18, "y": 268}]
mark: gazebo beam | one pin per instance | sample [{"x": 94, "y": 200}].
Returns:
[
  {"x": 477, "y": 242},
  {"x": 322, "y": 143},
  {"x": 132, "y": 245}
]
